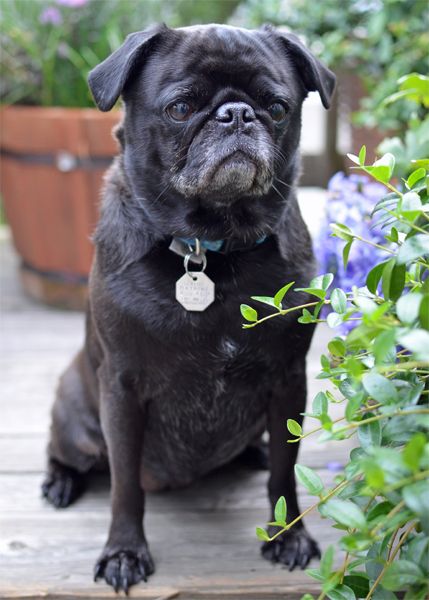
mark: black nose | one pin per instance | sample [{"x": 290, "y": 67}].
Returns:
[{"x": 235, "y": 114}]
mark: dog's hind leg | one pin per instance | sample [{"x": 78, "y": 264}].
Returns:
[
  {"x": 76, "y": 443},
  {"x": 63, "y": 485}
]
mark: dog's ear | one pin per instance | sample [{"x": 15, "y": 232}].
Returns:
[
  {"x": 108, "y": 79},
  {"x": 315, "y": 76}
]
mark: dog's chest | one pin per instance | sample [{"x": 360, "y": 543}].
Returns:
[{"x": 208, "y": 404}]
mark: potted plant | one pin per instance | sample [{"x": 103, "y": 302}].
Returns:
[{"x": 54, "y": 145}]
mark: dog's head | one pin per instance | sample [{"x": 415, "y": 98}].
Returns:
[{"x": 212, "y": 120}]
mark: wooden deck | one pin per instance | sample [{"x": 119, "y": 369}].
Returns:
[{"x": 202, "y": 538}]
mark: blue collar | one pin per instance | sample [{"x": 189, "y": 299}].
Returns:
[{"x": 223, "y": 246}]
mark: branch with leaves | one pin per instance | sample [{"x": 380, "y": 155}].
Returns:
[{"x": 380, "y": 372}]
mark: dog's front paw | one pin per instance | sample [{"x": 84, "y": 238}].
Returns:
[
  {"x": 294, "y": 548},
  {"x": 123, "y": 568}
]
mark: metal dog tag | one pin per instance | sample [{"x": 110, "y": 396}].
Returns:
[{"x": 195, "y": 291}]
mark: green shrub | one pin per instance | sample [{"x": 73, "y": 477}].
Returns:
[
  {"x": 380, "y": 372},
  {"x": 379, "y": 40}
]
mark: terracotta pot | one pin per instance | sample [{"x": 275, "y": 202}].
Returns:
[{"x": 52, "y": 164}]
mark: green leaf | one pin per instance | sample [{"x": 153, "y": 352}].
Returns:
[
  {"x": 346, "y": 252},
  {"x": 416, "y": 176},
  {"x": 413, "y": 247},
  {"x": 307, "y": 597},
  {"x": 306, "y": 317},
  {"x": 365, "y": 304},
  {"x": 262, "y": 534},
  {"x": 341, "y": 592},
  {"x": 359, "y": 583},
  {"x": 294, "y": 427},
  {"x": 309, "y": 479},
  {"x": 401, "y": 574},
  {"x": 342, "y": 231},
  {"x": 418, "y": 85},
  {"x": 382, "y": 169},
  {"x": 280, "y": 510},
  {"x": 344, "y": 512},
  {"x": 374, "y": 474},
  {"x": 393, "y": 279},
  {"x": 278, "y": 297},
  {"x": 334, "y": 320},
  {"x": 416, "y": 594},
  {"x": 413, "y": 451},
  {"x": 369, "y": 433},
  {"x": 337, "y": 347},
  {"x": 380, "y": 510},
  {"x": 424, "y": 312},
  {"x": 264, "y": 300},
  {"x": 394, "y": 236},
  {"x": 320, "y": 404},
  {"x": 416, "y": 497},
  {"x": 324, "y": 362},
  {"x": 417, "y": 550},
  {"x": 248, "y": 312},
  {"x": 354, "y": 158},
  {"x": 313, "y": 291},
  {"x": 374, "y": 276},
  {"x": 322, "y": 282},
  {"x": 380, "y": 388},
  {"x": 407, "y": 307},
  {"x": 384, "y": 348},
  {"x": 327, "y": 561},
  {"x": 362, "y": 156},
  {"x": 417, "y": 341},
  {"x": 339, "y": 301},
  {"x": 315, "y": 574},
  {"x": 411, "y": 206}
]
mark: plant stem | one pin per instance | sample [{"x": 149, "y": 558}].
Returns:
[
  {"x": 392, "y": 541},
  {"x": 406, "y": 481},
  {"x": 374, "y": 244},
  {"x": 353, "y": 425},
  {"x": 334, "y": 490},
  {"x": 390, "y": 559},
  {"x": 406, "y": 222},
  {"x": 284, "y": 312},
  {"x": 361, "y": 411},
  {"x": 392, "y": 513}
]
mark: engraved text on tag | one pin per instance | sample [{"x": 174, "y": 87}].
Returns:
[{"x": 195, "y": 291}]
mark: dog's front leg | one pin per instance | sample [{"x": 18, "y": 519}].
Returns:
[
  {"x": 295, "y": 547},
  {"x": 125, "y": 559}
]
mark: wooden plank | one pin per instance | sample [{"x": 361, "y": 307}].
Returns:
[{"x": 195, "y": 550}]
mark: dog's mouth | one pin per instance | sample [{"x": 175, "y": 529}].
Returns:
[
  {"x": 236, "y": 172},
  {"x": 223, "y": 179}
]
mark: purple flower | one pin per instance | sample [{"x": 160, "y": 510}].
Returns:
[
  {"x": 334, "y": 466},
  {"x": 51, "y": 15},
  {"x": 72, "y": 3},
  {"x": 351, "y": 202}
]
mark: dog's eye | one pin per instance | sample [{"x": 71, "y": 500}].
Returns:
[
  {"x": 179, "y": 111},
  {"x": 277, "y": 112}
]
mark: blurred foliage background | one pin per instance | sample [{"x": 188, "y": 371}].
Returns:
[{"x": 48, "y": 46}]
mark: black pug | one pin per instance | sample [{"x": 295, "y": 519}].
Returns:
[{"x": 162, "y": 393}]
